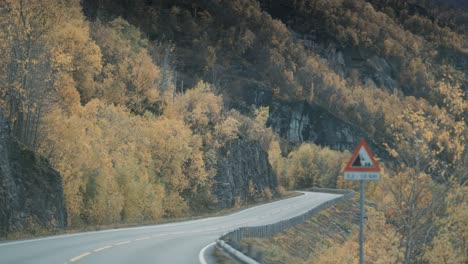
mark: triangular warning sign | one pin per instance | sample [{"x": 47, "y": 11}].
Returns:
[{"x": 362, "y": 160}]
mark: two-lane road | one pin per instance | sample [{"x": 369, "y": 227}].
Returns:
[{"x": 173, "y": 243}]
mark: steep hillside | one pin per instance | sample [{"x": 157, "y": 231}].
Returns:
[
  {"x": 374, "y": 65},
  {"x": 332, "y": 72},
  {"x": 150, "y": 108}
]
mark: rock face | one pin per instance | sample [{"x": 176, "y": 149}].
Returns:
[
  {"x": 374, "y": 71},
  {"x": 240, "y": 163},
  {"x": 31, "y": 193},
  {"x": 356, "y": 63},
  {"x": 301, "y": 122}
]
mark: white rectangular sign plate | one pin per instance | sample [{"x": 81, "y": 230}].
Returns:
[{"x": 356, "y": 176}]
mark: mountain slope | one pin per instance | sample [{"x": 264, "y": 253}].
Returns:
[{"x": 361, "y": 65}]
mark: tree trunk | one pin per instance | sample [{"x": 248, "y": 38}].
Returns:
[{"x": 408, "y": 245}]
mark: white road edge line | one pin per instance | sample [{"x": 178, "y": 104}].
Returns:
[{"x": 201, "y": 255}]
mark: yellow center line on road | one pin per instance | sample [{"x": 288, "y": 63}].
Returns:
[
  {"x": 142, "y": 238},
  {"x": 102, "y": 248},
  {"x": 80, "y": 256},
  {"x": 122, "y": 243}
]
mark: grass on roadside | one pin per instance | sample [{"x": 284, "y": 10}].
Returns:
[{"x": 298, "y": 244}]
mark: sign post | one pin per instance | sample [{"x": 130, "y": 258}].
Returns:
[{"x": 362, "y": 167}]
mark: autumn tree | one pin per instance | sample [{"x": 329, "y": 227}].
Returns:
[
  {"x": 27, "y": 81},
  {"x": 76, "y": 59},
  {"x": 275, "y": 158},
  {"x": 312, "y": 166},
  {"x": 163, "y": 54},
  {"x": 120, "y": 167},
  {"x": 203, "y": 112},
  {"x": 410, "y": 207},
  {"x": 200, "y": 107},
  {"x": 129, "y": 77},
  {"x": 301, "y": 167},
  {"x": 450, "y": 243},
  {"x": 414, "y": 196}
]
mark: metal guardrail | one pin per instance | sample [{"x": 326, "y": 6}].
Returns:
[{"x": 231, "y": 240}]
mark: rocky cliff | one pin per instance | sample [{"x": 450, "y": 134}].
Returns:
[
  {"x": 301, "y": 122},
  {"x": 31, "y": 194},
  {"x": 243, "y": 164}
]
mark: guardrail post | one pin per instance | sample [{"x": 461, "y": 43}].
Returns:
[{"x": 259, "y": 257}]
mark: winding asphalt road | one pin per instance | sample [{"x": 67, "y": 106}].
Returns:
[{"x": 181, "y": 242}]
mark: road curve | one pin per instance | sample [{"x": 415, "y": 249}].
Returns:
[{"x": 171, "y": 243}]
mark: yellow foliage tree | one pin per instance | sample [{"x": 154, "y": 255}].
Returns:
[
  {"x": 313, "y": 166},
  {"x": 27, "y": 76},
  {"x": 275, "y": 158},
  {"x": 200, "y": 108},
  {"x": 75, "y": 55},
  {"x": 412, "y": 194},
  {"x": 129, "y": 77},
  {"x": 120, "y": 167},
  {"x": 450, "y": 245}
]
